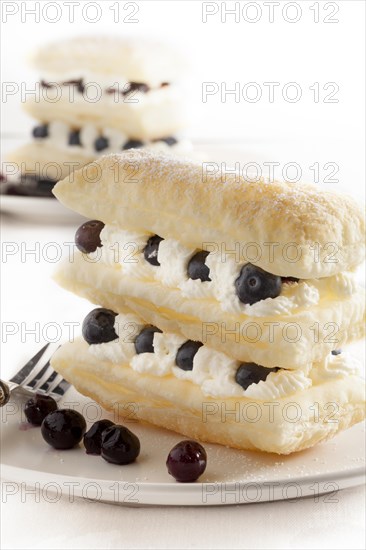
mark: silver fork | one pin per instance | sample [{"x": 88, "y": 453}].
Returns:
[{"x": 35, "y": 377}]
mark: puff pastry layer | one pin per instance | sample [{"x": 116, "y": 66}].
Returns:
[
  {"x": 147, "y": 192},
  {"x": 136, "y": 59},
  {"x": 279, "y": 426},
  {"x": 337, "y": 320}
]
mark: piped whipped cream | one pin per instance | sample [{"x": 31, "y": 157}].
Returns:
[
  {"x": 104, "y": 80},
  {"x": 213, "y": 371},
  {"x": 124, "y": 250},
  {"x": 58, "y": 136}
]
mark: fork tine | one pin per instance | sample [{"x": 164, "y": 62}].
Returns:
[
  {"x": 35, "y": 377},
  {"x": 61, "y": 388},
  {"x": 32, "y": 384},
  {"x": 48, "y": 382},
  {"x": 22, "y": 374}
]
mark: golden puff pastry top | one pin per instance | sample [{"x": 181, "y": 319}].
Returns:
[
  {"x": 293, "y": 229},
  {"x": 136, "y": 59}
]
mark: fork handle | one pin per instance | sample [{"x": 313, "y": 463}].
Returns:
[{"x": 4, "y": 393}]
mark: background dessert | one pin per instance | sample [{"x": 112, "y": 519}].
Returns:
[{"x": 98, "y": 95}]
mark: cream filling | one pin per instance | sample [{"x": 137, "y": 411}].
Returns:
[
  {"x": 89, "y": 77},
  {"x": 124, "y": 250},
  {"x": 96, "y": 92},
  {"x": 213, "y": 371},
  {"x": 58, "y": 136}
]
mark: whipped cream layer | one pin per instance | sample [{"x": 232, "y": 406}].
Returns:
[
  {"x": 124, "y": 250},
  {"x": 214, "y": 372},
  {"x": 105, "y": 81},
  {"x": 111, "y": 90},
  {"x": 58, "y": 133},
  {"x": 140, "y": 115}
]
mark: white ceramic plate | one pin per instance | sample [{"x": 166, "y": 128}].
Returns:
[
  {"x": 231, "y": 477},
  {"x": 40, "y": 208}
]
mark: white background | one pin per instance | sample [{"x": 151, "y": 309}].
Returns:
[{"x": 304, "y": 132}]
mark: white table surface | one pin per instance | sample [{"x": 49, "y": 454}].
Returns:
[{"x": 29, "y": 295}]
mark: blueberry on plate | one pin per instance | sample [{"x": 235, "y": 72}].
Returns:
[
  {"x": 251, "y": 373},
  {"x": 336, "y": 352},
  {"x": 63, "y": 429},
  {"x": 87, "y": 236},
  {"x": 186, "y": 353},
  {"x": 144, "y": 340},
  {"x": 38, "y": 407},
  {"x": 119, "y": 445},
  {"x": 187, "y": 461},
  {"x": 98, "y": 326},
  {"x": 4, "y": 393},
  {"x": 197, "y": 269},
  {"x": 93, "y": 437},
  {"x": 255, "y": 284},
  {"x": 151, "y": 250},
  {"x": 132, "y": 144}
]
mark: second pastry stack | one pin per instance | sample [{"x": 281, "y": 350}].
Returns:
[{"x": 98, "y": 95}]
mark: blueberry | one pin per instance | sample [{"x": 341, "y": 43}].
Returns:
[
  {"x": 186, "y": 353},
  {"x": 40, "y": 131},
  {"x": 45, "y": 186},
  {"x": 251, "y": 373},
  {"x": 187, "y": 461},
  {"x": 63, "y": 429},
  {"x": 144, "y": 341},
  {"x": 255, "y": 284},
  {"x": 151, "y": 250},
  {"x": 31, "y": 186},
  {"x": 101, "y": 143},
  {"x": 133, "y": 86},
  {"x": 132, "y": 144},
  {"x": 38, "y": 407},
  {"x": 197, "y": 269},
  {"x": 78, "y": 83},
  {"x": 45, "y": 84},
  {"x": 93, "y": 437},
  {"x": 169, "y": 140},
  {"x": 17, "y": 190},
  {"x": 4, "y": 393},
  {"x": 74, "y": 137},
  {"x": 119, "y": 445},
  {"x": 98, "y": 326},
  {"x": 87, "y": 237},
  {"x": 336, "y": 352}
]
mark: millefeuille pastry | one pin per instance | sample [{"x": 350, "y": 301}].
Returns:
[
  {"x": 99, "y": 95},
  {"x": 222, "y": 295}
]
